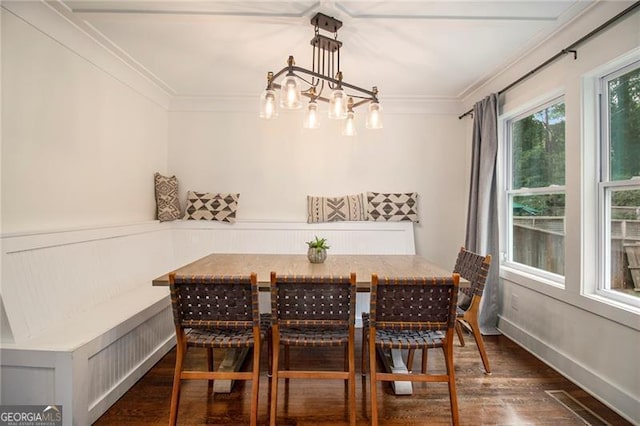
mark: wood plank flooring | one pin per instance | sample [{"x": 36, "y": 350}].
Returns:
[{"x": 520, "y": 391}]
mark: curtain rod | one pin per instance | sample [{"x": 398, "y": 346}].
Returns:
[{"x": 569, "y": 49}]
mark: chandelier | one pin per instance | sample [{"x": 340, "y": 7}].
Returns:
[{"x": 324, "y": 82}]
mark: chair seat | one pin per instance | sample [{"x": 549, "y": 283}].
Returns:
[
  {"x": 217, "y": 338},
  {"x": 226, "y": 338},
  {"x": 433, "y": 337},
  {"x": 409, "y": 339},
  {"x": 313, "y": 336}
]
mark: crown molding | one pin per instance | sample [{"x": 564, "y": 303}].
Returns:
[
  {"x": 246, "y": 103},
  {"x": 54, "y": 20}
]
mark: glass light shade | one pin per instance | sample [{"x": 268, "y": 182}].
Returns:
[
  {"x": 290, "y": 96},
  {"x": 374, "y": 116},
  {"x": 338, "y": 105},
  {"x": 268, "y": 104},
  {"x": 349, "y": 128},
  {"x": 311, "y": 116}
]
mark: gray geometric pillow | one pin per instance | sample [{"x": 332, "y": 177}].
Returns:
[
  {"x": 167, "y": 203},
  {"x": 333, "y": 209},
  {"x": 209, "y": 206},
  {"x": 392, "y": 207}
]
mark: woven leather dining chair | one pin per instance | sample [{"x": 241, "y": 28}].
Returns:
[
  {"x": 412, "y": 313},
  {"x": 473, "y": 268},
  {"x": 215, "y": 312},
  {"x": 312, "y": 312}
]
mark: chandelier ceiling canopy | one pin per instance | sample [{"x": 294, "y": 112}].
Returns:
[{"x": 324, "y": 83}]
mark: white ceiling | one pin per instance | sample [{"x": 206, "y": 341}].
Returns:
[{"x": 425, "y": 49}]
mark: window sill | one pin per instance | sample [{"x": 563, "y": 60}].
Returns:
[{"x": 624, "y": 314}]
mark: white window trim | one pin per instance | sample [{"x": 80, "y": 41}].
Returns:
[
  {"x": 623, "y": 314},
  {"x": 594, "y": 222},
  {"x": 527, "y": 273}
]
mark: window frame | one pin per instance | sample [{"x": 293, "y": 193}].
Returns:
[
  {"x": 605, "y": 185},
  {"x": 508, "y": 192}
]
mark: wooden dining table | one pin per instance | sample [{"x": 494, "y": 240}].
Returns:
[{"x": 384, "y": 265}]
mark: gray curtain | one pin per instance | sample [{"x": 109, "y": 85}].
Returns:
[{"x": 482, "y": 216}]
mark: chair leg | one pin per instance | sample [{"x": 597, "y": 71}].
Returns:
[
  {"x": 210, "y": 367},
  {"x": 286, "y": 357},
  {"x": 459, "y": 332},
  {"x": 453, "y": 396},
  {"x": 210, "y": 359},
  {"x": 255, "y": 382},
  {"x": 352, "y": 380},
  {"x": 346, "y": 358},
  {"x": 475, "y": 329},
  {"x": 274, "y": 380},
  {"x": 425, "y": 355},
  {"x": 410, "y": 356},
  {"x": 269, "y": 351},
  {"x": 364, "y": 352},
  {"x": 175, "y": 392},
  {"x": 373, "y": 381}
]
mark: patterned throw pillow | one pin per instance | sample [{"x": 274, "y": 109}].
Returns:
[
  {"x": 392, "y": 207},
  {"x": 208, "y": 206},
  {"x": 167, "y": 203},
  {"x": 332, "y": 209}
]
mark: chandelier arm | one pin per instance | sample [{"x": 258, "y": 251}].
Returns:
[
  {"x": 371, "y": 95},
  {"x": 363, "y": 101},
  {"x": 317, "y": 97},
  {"x": 344, "y": 84},
  {"x": 279, "y": 73}
]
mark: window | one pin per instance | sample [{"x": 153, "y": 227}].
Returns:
[
  {"x": 535, "y": 190},
  {"x": 619, "y": 185}
]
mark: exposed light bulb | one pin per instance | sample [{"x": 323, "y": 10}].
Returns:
[
  {"x": 268, "y": 105},
  {"x": 338, "y": 105},
  {"x": 374, "y": 116},
  {"x": 311, "y": 117},
  {"x": 349, "y": 125},
  {"x": 291, "y": 97}
]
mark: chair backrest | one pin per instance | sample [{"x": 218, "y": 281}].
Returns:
[
  {"x": 301, "y": 301},
  {"x": 414, "y": 303},
  {"x": 208, "y": 301},
  {"x": 473, "y": 268}
]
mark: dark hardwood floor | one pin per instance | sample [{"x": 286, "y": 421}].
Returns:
[{"x": 520, "y": 391}]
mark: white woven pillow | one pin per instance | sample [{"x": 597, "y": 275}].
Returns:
[
  {"x": 332, "y": 209},
  {"x": 167, "y": 202}
]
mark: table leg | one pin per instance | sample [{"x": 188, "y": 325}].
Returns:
[
  {"x": 232, "y": 361},
  {"x": 393, "y": 362}
]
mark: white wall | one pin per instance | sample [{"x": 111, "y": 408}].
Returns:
[
  {"x": 81, "y": 141},
  {"x": 594, "y": 343},
  {"x": 275, "y": 164},
  {"x": 79, "y": 146}
]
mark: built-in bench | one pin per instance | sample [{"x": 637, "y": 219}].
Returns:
[{"x": 81, "y": 322}]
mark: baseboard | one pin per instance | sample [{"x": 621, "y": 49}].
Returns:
[{"x": 613, "y": 397}]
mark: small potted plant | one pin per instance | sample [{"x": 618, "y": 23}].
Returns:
[{"x": 317, "y": 252}]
